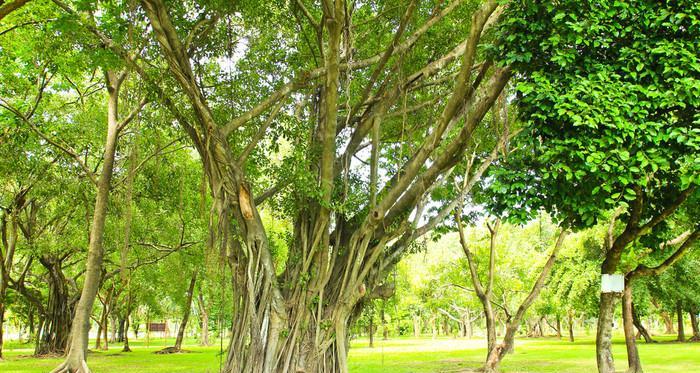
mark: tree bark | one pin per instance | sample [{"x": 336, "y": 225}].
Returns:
[
  {"x": 499, "y": 351},
  {"x": 76, "y": 360},
  {"x": 606, "y": 314},
  {"x": 668, "y": 322},
  {"x": 571, "y": 326},
  {"x": 694, "y": 323},
  {"x": 681, "y": 328},
  {"x": 640, "y": 327},
  {"x": 58, "y": 313},
  {"x": 113, "y": 328},
  {"x": 558, "y": 326},
  {"x": 204, "y": 320},
  {"x": 9, "y": 242},
  {"x": 305, "y": 327},
  {"x": 100, "y": 325},
  {"x": 185, "y": 314},
  {"x": 633, "y": 362}
]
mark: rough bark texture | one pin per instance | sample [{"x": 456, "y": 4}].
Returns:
[
  {"x": 606, "y": 315},
  {"x": 11, "y": 6},
  {"x": 58, "y": 313},
  {"x": 76, "y": 361},
  {"x": 304, "y": 327}
]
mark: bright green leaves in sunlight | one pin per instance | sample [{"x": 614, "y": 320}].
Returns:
[{"x": 610, "y": 95}]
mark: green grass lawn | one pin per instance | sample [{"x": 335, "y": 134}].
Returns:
[{"x": 395, "y": 356}]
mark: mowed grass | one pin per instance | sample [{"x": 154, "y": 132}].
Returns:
[
  {"x": 394, "y": 356},
  {"x": 531, "y": 355}
]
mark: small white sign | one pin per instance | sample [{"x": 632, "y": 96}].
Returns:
[{"x": 612, "y": 283}]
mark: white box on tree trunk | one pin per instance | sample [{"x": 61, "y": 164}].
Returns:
[{"x": 612, "y": 283}]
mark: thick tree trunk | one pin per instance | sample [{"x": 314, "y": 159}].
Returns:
[
  {"x": 633, "y": 362},
  {"x": 120, "y": 329},
  {"x": 606, "y": 314},
  {"x": 681, "y": 328},
  {"x": 304, "y": 327},
  {"x": 9, "y": 241},
  {"x": 126, "y": 347},
  {"x": 185, "y": 314},
  {"x": 76, "y": 361},
  {"x": 55, "y": 329}
]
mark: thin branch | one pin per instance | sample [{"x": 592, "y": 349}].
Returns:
[
  {"x": 259, "y": 134},
  {"x": 63, "y": 147}
]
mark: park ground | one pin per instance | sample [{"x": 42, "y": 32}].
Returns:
[{"x": 394, "y": 356}]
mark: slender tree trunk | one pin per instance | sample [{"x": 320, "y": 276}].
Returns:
[
  {"x": 571, "y": 326},
  {"x": 129, "y": 300},
  {"x": 681, "y": 328},
  {"x": 2, "y": 314},
  {"x": 385, "y": 329},
  {"x": 204, "y": 320},
  {"x": 633, "y": 362},
  {"x": 371, "y": 330},
  {"x": 135, "y": 329},
  {"x": 694, "y": 324},
  {"x": 558, "y": 326},
  {"x": 416, "y": 326},
  {"x": 76, "y": 361},
  {"x": 640, "y": 327},
  {"x": 98, "y": 340},
  {"x": 186, "y": 314},
  {"x": 498, "y": 352},
  {"x": 105, "y": 331}
]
